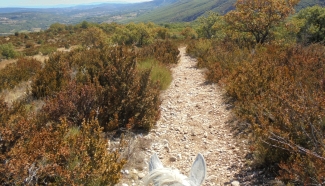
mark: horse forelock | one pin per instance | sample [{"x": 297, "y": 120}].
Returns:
[{"x": 167, "y": 177}]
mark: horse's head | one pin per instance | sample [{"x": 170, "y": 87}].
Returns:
[{"x": 165, "y": 176}]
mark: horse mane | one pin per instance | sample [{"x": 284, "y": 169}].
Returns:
[{"x": 167, "y": 177}]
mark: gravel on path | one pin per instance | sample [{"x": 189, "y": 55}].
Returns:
[{"x": 194, "y": 119}]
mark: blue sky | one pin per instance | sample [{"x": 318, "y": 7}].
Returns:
[{"x": 41, "y": 3}]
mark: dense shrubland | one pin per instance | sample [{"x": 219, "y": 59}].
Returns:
[
  {"x": 274, "y": 76},
  {"x": 269, "y": 60},
  {"x": 100, "y": 86},
  {"x": 17, "y": 72}
]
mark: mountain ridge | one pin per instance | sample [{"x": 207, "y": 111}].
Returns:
[{"x": 159, "y": 11}]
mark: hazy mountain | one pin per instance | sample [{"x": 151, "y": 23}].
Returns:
[
  {"x": 159, "y": 11},
  {"x": 189, "y": 10},
  {"x": 186, "y": 10}
]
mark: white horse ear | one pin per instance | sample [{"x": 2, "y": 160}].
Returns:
[
  {"x": 198, "y": 170},
  {"x": 155, "y": 163}
]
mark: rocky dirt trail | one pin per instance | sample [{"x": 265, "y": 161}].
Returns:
[{"x": 194, "y": 119}]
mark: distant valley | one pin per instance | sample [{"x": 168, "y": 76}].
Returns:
[{"x": 159, "y": 11}]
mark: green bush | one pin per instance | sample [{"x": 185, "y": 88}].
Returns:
[
  {"x": 312, "y": 20},
  {"x": 46, "y": 50},
  {"x": 8, "y": 51},
  {"x": 159, "y": 73}
]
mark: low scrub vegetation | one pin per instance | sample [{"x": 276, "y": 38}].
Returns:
[
  {"x": 7, "y": 51},
  {"x": 14, "y": 73},
  {"x": 273, "y": 72},
  {"x": 85, "y": 93},
  {"x": 35, "y": 153},
  {"x": 159, "y": 73},
  {"x": 107, "y": 85},
  {"x": 276, "y": 85}
]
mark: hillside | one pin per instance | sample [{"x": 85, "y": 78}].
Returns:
[
  {"x": 159, "y": 11},
  {"x": 28, "y": 19},
  {"x": 189, "y": 10},
  {"x": 186, "y": 10}
]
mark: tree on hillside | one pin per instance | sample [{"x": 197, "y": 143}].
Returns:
[
  {"x": 57, "y": 27},
  {"x": 143, "y": 33},
  {"x": 258, "y": 17},
  {"x": 312, "y": 21},
  {"x": 94, "y": 37},
  {"x": 206, "y": 24}
]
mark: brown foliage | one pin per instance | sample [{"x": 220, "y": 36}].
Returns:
[
  {"x": 279, "y": 90},
  {"x": 258, "y": 17},
  {"x": 220, "y": 59},
  {"x": 52, "y": 77},
  {"x": 85, "y": 92},
  {"x": 129, "y": 96},
  {"x": 58, "y": 154},
  {"x": 15, "y": 73},
  {"x": 165, "y": 52},
  {"x": 281, "y": 93},
  {"x": 75, "y": 103},
  {"x": 107, "y": 83}
]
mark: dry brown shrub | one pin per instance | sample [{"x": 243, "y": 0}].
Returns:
[
  {"x": 57, "y": 154},
  {"x": 122, "y": 96},
  {"x": 165, "y": 52},
  {"x": 219, "y": 58},
  {"x": 15, "y": 73},
  {"x": 280, "y": 92}
]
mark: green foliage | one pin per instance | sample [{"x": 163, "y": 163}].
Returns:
[
  {"x": 135, "y": 34},
  {"x": 84, "y": 92},
  {"x": 57, "y": 27},
  {"x": 206, "y": 24},
  {"x": 84, "y": 25},
  {"x": 162, "y": 33},
  {"x": 15, "y": 73},
  {"x": 8, "y": 51},
  {"x": 94, "y": 37},
  {"x": 312, "y": 21},
  {"x": 159, "y": 73},
  {"x": 259, "y": 17},
  {"x": 46, "y": 50},
  {"x": 186, "y": 11}
]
